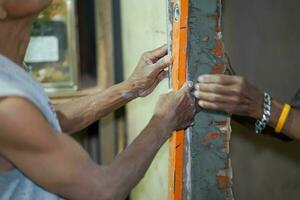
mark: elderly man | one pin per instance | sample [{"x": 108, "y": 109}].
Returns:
[{"x": 37, "y": 161}]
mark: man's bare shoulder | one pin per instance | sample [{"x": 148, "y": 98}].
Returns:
[
  {"x": 21, "y": 123},
  {"x": 15, "y": 110}
]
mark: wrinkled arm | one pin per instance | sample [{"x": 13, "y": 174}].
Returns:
[
  {"x": 60, "y": 165},
  {"x": 81, "y": 112},
  {"x": 57, "y": 163},
  {"x": 78, "y": 114}
]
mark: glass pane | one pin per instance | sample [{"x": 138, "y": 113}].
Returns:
[{"x": 52, "y": 51}]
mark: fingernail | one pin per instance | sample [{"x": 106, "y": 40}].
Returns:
[
  {"x": 197, "y": 94},
  {"x": 190, "y": 84},
  {"x": 201, "y": 78},
  {"x": 201, "y": 103}
]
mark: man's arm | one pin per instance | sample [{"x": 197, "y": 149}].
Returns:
[
  {"x": 80, "y": 113},
  {"x": 57, "y": 163},
  {"x": 292, "y": 125}
]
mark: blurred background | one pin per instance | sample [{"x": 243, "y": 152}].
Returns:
[{"x": 100, "y": 43}]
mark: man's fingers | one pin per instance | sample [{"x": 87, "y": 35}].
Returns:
[
  {"x": 163, "y": 75},
  {"x": 226, "y": 107},
  {"x": 217, "y": 79},
  {"x": 162, "y": 63},
  {"x": 190, "y": 85},
  {"x": 212, "y": 97},
  {"x": 213, "y": 88},
  {"x": 187, "y": 87},
  {"x": 158, "y": 53},
  {"x": 160, "y": 77},
  {"x": 186, "y": 91},
  {"x": 212, "y": 105}
]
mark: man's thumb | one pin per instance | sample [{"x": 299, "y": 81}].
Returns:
[{"x": 188, "y": 86}]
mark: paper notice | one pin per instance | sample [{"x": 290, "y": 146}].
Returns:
[{"x": 42, "y": 49}]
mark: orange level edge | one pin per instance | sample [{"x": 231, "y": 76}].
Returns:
[{"x": 180, "y": 40}]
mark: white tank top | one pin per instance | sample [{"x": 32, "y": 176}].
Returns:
[{"x": 14, "y": 81}]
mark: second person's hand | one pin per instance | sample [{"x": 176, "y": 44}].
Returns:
[{"x": 232, "y": 94}]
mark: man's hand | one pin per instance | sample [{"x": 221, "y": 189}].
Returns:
[
  {"x": 232, "y": 94},
  {"x": 150, "y": 71},
  {"x": 176, "y": 109},
  {"x": 79, "y": 113}
]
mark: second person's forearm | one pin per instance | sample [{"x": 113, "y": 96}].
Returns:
[{"x": 292, "y": 124}]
